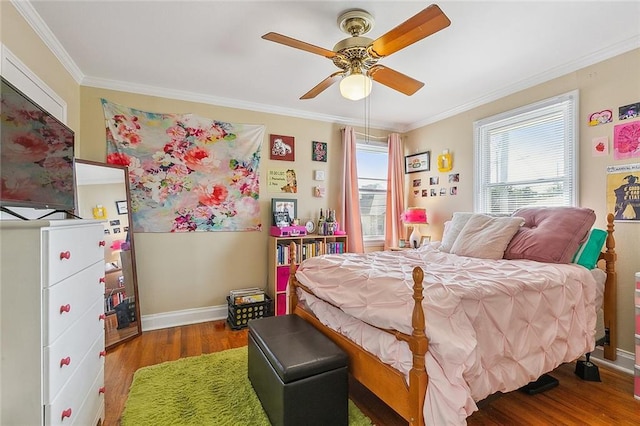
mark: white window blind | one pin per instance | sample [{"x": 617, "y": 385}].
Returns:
[
  {"x": 527, "y": 157},
  {"x": 372, "y": 162}
]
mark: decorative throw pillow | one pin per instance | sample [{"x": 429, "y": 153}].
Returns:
[
  {"x": 452, "y": 230},
  {"x": 588, "y": 253},
  {"x": 486, "y": 237},
  {"x": 550, "y": 234}
]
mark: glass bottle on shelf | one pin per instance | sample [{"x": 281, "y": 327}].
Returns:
[
  {"x": 331, "y": 222},
  {"x": 321, "y": 229}
]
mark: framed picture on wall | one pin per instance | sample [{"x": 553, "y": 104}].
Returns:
[
  {"x": 284, "y": 211},
  {"x": 420, "y": 162},
  {"x": 121, "y": 206}
]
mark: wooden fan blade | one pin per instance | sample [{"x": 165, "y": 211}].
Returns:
[
  {"x": 425, "y": 23},
  {"x": 292, "y": 42},
  {"x": 395, "y": 80},
  {"x": 323, "y": 85}
]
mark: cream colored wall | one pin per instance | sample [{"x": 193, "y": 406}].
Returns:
[
  {"x": 184, "y": 271},
  {"x": 606, "y": 85},
  {"x": 22, "y": 41}
]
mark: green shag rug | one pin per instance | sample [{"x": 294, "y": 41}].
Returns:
[{"x": 203, "y": 390}]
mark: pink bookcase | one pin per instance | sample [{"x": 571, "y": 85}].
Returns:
[{"x": 309, "y": 245}]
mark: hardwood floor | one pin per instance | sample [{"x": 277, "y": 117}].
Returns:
[{"x": 573, "y": 402}]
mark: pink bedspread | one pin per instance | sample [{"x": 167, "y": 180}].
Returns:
[{"x": 492, "y": 325}]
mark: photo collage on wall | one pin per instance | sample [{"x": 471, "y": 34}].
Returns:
[
  {"x": 623, "y": 180},
  {"x": 436, "y": 186}
]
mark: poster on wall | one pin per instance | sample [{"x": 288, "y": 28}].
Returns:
[
  {"x": 282, "y": 148},
  {"x": 626, "y": 140},
  {"x": 282, "y": 180},
  {"x": 623, "y": 192}
]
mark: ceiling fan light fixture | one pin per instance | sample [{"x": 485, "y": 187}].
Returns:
[{"x": 355, "y": 86}]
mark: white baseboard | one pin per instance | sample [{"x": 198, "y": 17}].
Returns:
[
  {"x": 184, "y": 317},
  {"x": 624, "y": 360}
]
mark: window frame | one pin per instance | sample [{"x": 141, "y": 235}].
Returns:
[
  {"x": 380, "y": 147},
  {"x": 568, "y": 104}
]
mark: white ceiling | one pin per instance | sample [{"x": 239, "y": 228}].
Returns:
[{"x": 212, "y": 51}]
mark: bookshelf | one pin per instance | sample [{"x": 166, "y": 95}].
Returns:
[{"x": 307, "y": 246}]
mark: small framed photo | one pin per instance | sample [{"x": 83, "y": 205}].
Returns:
[
  {"x": 282, "y": 147},
  {"x": 284, "y": 211},
  {"x": 426, "y": 239},
  {"x": 420, "y": 162},
  {"x": 121, "y": 206},
  {"x": 319, "y": 151}
]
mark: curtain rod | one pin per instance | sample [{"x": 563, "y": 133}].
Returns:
[{"x": 370, "y": 136}]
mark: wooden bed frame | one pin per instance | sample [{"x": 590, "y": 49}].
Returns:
[{"x": 388, "y": 383}]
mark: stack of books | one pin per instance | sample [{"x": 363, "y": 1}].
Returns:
[{"x": 246, "y": 295}]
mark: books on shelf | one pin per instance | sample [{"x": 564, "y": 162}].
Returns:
[
  {"x": 308, "y": 249},
  {"x": 114, "y": 298},
  {"x": 247, "y": 295}
]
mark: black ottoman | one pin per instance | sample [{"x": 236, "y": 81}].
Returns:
[{"x": 299, "y": 375}]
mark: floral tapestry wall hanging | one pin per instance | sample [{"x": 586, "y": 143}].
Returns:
[{"x": 187, "y": 173}]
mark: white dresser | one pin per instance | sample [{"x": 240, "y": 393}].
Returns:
[{"x": 52, "y": 322}]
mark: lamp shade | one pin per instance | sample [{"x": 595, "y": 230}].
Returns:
[
  {"x": 414, "y": 216},
  {"x": 355, "y": 86}
]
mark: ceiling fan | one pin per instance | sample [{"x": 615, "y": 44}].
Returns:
[{"x": 358, "y": 56}]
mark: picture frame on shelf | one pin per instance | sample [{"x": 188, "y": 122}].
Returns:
[
  {"x": 420, "y": 162},
  {"x": 284, "y": 211},
  {"x": 121, "y": 206},
  {"x": 426, "y": 239}
]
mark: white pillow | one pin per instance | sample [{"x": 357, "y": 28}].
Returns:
[
  {"x": 452, "y": 230},
  {"x": 486, "y": 237}
]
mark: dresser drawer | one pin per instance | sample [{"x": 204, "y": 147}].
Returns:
[
  {"x": 93, "y": 406},
  {"x": 64, "y": 356},
  {"x": 67, "y": 404},
  {"x": 67, "y": 251},
  {"x": 67, "y": 301}
]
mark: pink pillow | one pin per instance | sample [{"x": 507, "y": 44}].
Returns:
[{"x": 550, "y": 234}]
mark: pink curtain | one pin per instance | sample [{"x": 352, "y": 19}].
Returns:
[
  {"x": 350, "y": 197},
  {"x": 394, "y": 229}
]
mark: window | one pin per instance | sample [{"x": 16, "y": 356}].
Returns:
[
  {"x": 372, "y": 162},
  {"x": 527, "y": 157}
]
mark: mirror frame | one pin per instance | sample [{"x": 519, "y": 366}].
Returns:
[{"x": 134, "y": 272}]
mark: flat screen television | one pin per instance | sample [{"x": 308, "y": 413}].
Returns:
[{"x": 36, "y": 155}]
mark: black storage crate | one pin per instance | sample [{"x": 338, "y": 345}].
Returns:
[{"x": 239, "y": 315}]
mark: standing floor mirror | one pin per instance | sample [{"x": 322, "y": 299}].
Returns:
[{"x": 103, "y": 194}]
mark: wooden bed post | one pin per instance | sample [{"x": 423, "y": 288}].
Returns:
[
  {"x": 291, "y": 287},
  {"x": 610, "y": 293},
  {"x": 418, "y": 378}
]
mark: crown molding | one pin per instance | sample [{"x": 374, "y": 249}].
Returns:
[
  {"x": 569, "y": 67},
  {"x": 32, "y": 17},
  {"x": 162, "y": 92}
]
